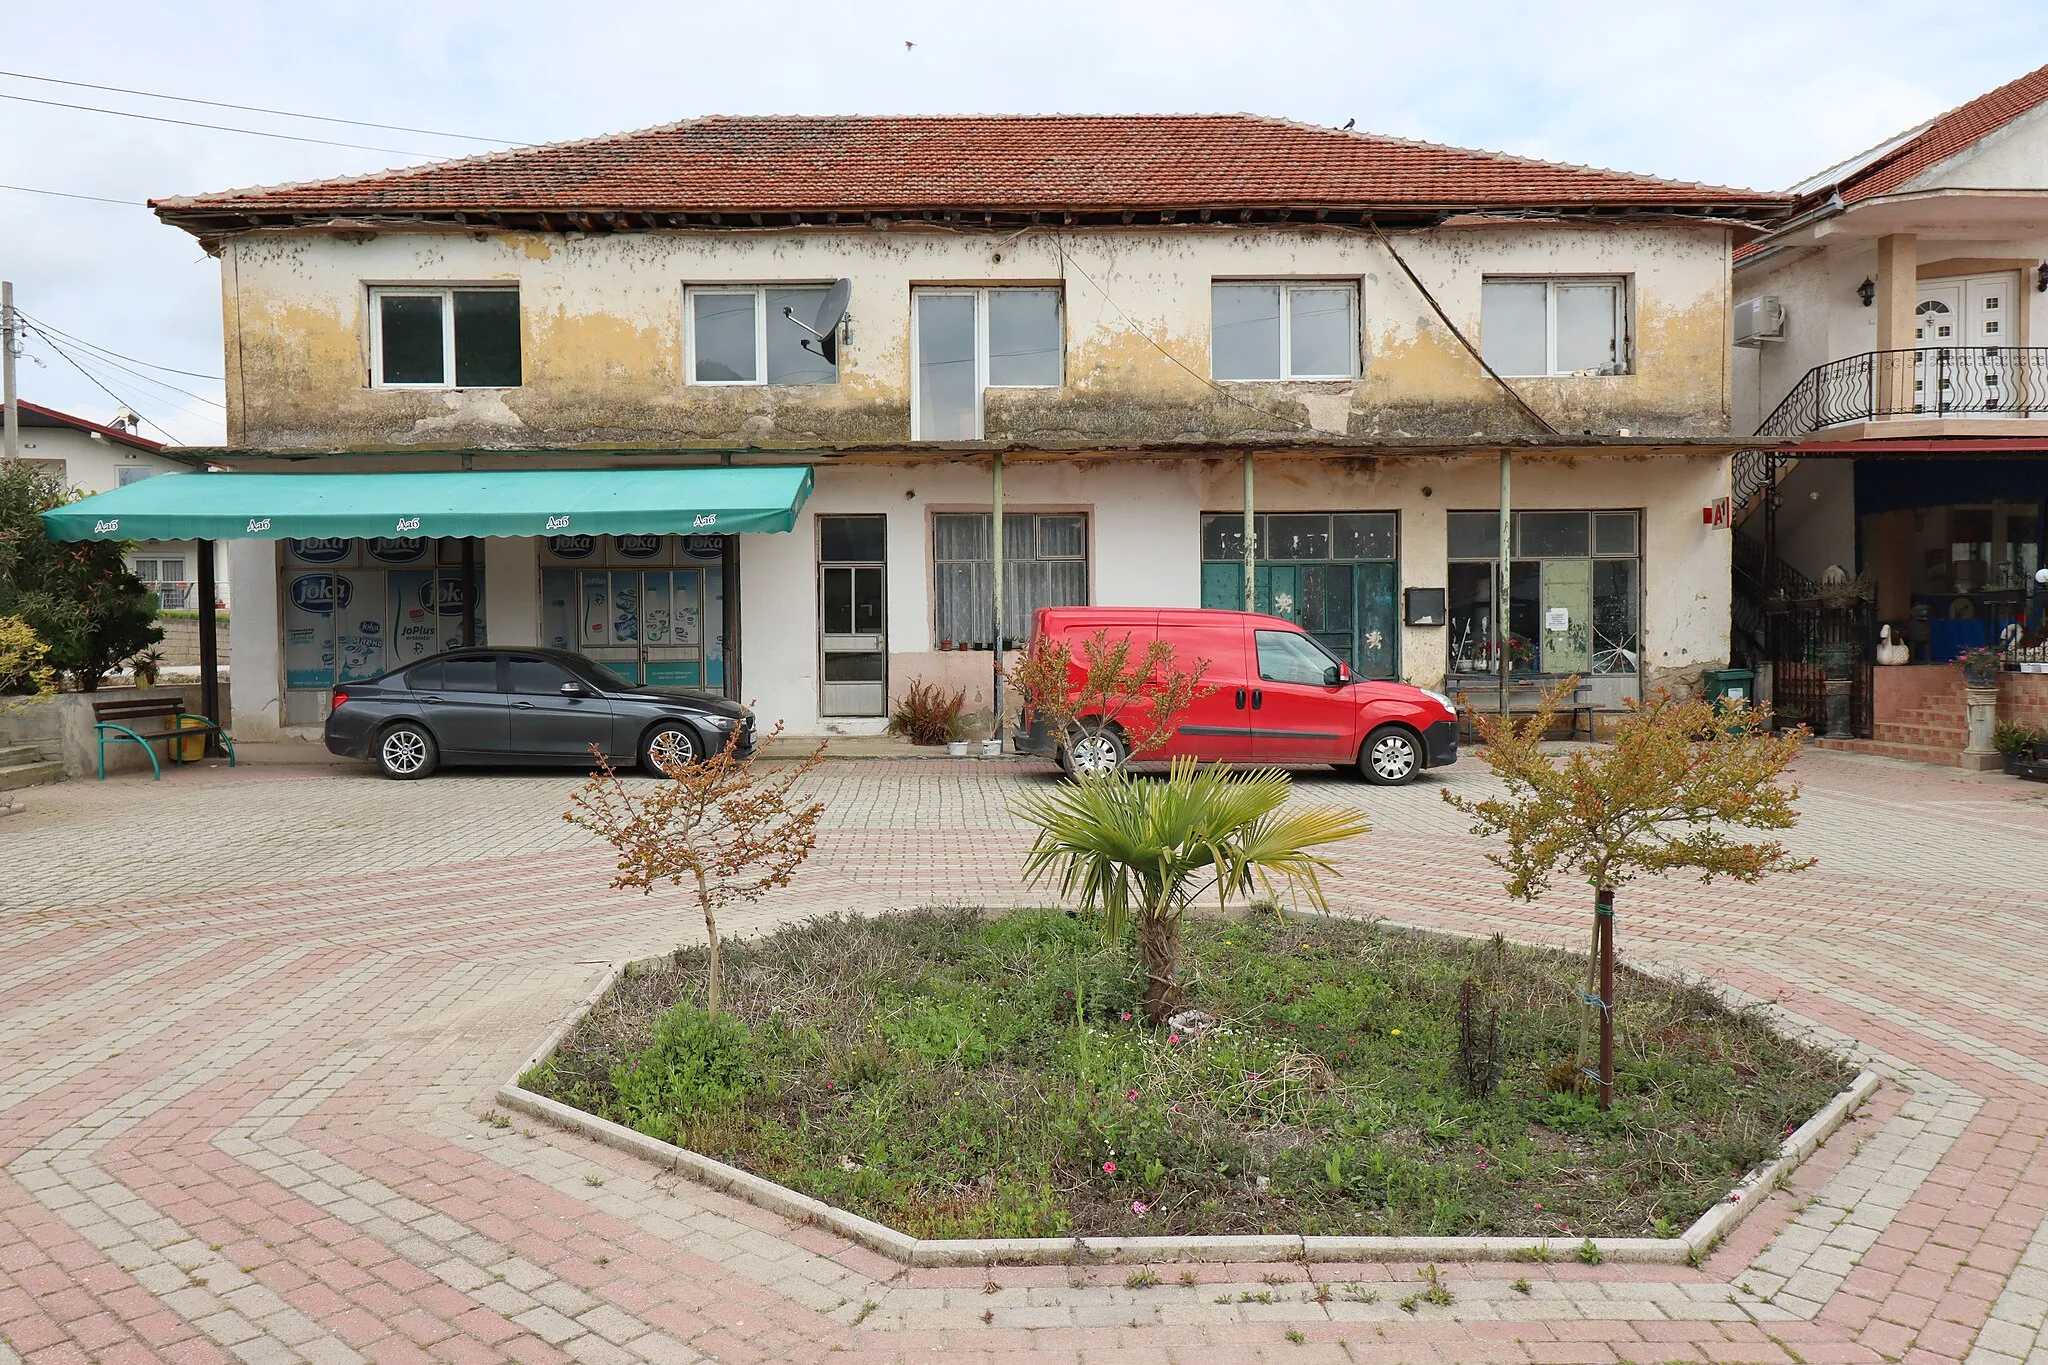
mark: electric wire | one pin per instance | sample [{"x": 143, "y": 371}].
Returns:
[
  {"x": 259, "y": 109},
  {"x": 67, "y": 194},
  {"x": 215, "y": 127},
  {"x": 102, "y": 387},
  {"x": 105, "y": 364},
  {"x": 133, "y": 360}
]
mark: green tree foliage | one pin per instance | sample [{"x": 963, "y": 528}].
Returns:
[
  {"x": 1138, "y": 848},
  {"x": 77, "y": 596},
  {"x": 1680, "y": 775}
]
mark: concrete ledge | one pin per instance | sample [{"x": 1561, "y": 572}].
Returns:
[{"x": 1706, "y": 1232}]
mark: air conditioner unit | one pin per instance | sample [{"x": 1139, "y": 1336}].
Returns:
[{"x": 1759, "y": 320}]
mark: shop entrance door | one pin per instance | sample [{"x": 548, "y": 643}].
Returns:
[
  {"x": 853, "y": 638},
  {"x": 650, "y": 609}
]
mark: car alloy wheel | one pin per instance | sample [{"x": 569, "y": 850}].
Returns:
[
  {"x": 405, "y": 752},
  {"x": 671, "y": 749},
  {"x": 1095, "y": 755},
  {"x": 1391, "y": 758}
]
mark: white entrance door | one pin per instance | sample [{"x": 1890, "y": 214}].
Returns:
[{"x": 1964, "y": 328}]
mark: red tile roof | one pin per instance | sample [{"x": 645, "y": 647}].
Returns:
[
  {"x": 36, "y": 415},
  {"x": 1063, "y": 163},
  {"x": 1956, "y": 131}
]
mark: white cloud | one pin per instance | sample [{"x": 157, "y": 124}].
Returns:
[{"x": 1744, "y": 94}]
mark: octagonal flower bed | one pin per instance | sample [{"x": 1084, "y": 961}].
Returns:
[{"x": 953, "y": 1074}]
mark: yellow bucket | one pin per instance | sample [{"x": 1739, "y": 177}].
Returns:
[{"x": 189, "y": 750}]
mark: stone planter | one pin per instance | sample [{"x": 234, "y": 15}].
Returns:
[
  {"x": 1980, "y": 705},
  {"x": 1980, "y": 674}
]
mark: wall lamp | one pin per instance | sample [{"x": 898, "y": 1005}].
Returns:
[
  {"x": 2041, "y": 278},
  {"x": 1867, "y": 291}
]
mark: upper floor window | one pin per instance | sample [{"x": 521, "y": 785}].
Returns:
[
  {"x": 1558, "y": 325},
  {"x": 968, "y": 340},
  {"x": 739, "y": 334},
  {"x": 429, "y": 338},
  {"x": 1283, "y": 331}
]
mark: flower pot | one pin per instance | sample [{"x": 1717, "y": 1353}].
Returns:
[
  {"x": 956, "y": 748},
  {"x": 1980, "y": 672},
  {"x": 991, "y": 748}
]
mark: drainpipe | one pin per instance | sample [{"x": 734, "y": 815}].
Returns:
[
  {"x": 1507, "y": 541},
  {"x": 995, "y": 550},
  {"x": 1251, "y": 539},
  {"x": 209, "y": 647}
]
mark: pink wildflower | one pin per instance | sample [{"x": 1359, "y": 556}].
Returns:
[
  {"x": 1172, "y": 1038},
  {"x": 1131, "y": 1095},
  {"x": 1126, "y": 1016},
  {"x": 1140, "y": 1207},
  {"x": 1109, "y": 1168}
]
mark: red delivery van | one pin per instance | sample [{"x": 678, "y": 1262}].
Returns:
[{"x": 1281, "y": 700}]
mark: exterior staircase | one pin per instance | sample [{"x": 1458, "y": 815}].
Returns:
[
  {"x": 1930, "y": 730},
  {"x": 23, "y": 765}
]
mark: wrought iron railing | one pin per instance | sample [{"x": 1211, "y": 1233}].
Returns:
[{"x": 170, "y": 596}]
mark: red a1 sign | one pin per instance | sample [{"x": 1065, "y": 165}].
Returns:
[{"x": 1715, "y": 513}]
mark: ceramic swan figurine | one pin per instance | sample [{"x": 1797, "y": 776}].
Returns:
[{"x": 1889, "y": 653}]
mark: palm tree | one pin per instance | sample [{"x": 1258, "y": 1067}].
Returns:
[{"x": 1136, "y": 847}]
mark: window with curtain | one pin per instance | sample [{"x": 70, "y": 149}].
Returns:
[{"x": 1045, "y": 564}]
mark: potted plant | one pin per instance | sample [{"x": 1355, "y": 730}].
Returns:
[
  {"x": 926, "y": 715},
  {"x": 147, "y": 667},
  {"x": 1980, "y": 667},
  {"x": 2017, "y": 744}
]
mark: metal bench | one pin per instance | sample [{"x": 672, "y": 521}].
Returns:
[
  {"x": 1524, "y": 696},
  {"x": 116, "y": 722}
]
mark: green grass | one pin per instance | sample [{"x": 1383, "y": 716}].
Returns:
[{"x": 955, "y": 1074}]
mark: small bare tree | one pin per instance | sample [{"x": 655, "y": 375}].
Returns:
[
  {"x": 1108, "y": 686},
  {"x": 1662, "y": 797},
  {"x": 731, "y": 832}
]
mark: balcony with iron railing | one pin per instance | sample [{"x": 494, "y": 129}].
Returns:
[{"x": 1941, "y": 386}]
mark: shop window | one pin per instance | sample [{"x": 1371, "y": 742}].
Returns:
[
  {"x": 1283, "y": 331},
  {"x": 1554, "y": 326},
  {"x": 356, "y": 608},
  {"x": 444, "y": 338},
  {"x": 1333, "y": 574},
  {"x": 648, "y": 609},
  {"x": 969, "y": 340},
  {"x": 1574, "y": 592},
  {"x": 1045, "y": 564},
  {"x": 741, "y": 335}
]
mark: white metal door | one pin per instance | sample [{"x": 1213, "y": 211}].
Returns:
[
  {"x": 853, "y": 631},
  {"x": 1963, "y": 328}
]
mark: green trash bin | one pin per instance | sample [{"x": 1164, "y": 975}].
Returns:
[{"x": 1730, "y": 684}]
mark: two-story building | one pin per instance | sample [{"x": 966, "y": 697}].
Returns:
[
  {"x": 1890, "y": 329},
  {"x": 784, "y": 368}
]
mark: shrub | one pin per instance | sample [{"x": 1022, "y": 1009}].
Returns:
[
  {"x": 22, "y": 655},
  {"x": 926, "y": 715},
  {"x": 696, "y": 1063},
  {"x": 2009, "y": 738},
  {"x": 78, "y": 597}
]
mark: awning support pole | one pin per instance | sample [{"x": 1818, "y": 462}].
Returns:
[
  {"x": 995, "y": 551},
  {"x": 209, "y": 648},
  {"x": 1251, "y": 539},
  {"x": 468, "y": 592},
  {"x": 1507, "y": 545}
]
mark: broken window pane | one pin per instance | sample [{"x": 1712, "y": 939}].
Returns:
[
  {"x": 723, "y": 334},
  {"x": 789, "y": 360},
  {"x": 1511, "y": 326},
  {"x": 409, "y": 337},
  {"x": 1024, "y": 338},
  {"x": 487, "y": 338},
  {"x": 1320, "y": 333},
  {"x": 948, "y": 391},
  {"x": 1587, "y": 338},
  {"x": 1245, "y": 331}
]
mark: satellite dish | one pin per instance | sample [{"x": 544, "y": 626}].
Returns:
[{"x": 831, "y": 313}]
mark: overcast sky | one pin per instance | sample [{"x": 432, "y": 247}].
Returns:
[{"x": 1733, "y": 93}]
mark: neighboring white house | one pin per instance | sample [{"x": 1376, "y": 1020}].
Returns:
[
  {"x": 93, "y": 457},
  {"x": 1142, "y": 316},
  {"x": 1892, "y": 328}
]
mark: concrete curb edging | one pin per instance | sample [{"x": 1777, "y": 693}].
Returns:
[{"x": 1706, "y": 1232}]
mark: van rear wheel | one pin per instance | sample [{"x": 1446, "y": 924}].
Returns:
[
  {"x": 1094, "y": 753},
  {"x": 1390, "y": 757}
]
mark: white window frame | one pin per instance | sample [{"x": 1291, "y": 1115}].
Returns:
[
  {"x": 979, "y": 293},
  {"x": 1624, "y": 337},
  {"x": 446, "y": 294},
  {"x": 1287, "y": 288},
  {"x": 760, "y": 296}
]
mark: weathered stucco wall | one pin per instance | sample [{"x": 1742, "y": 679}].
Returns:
[{"x": 603, "y": 335}]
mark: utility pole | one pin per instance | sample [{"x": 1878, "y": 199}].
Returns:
[
  {"x": 1505, "y": 588},
  {"x": 10, "y": 328}
]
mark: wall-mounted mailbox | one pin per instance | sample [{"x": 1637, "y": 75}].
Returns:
[{"x": 1424, "y": 606}]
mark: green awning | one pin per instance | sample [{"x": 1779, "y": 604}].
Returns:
[{"x": 526, "y": 502}]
